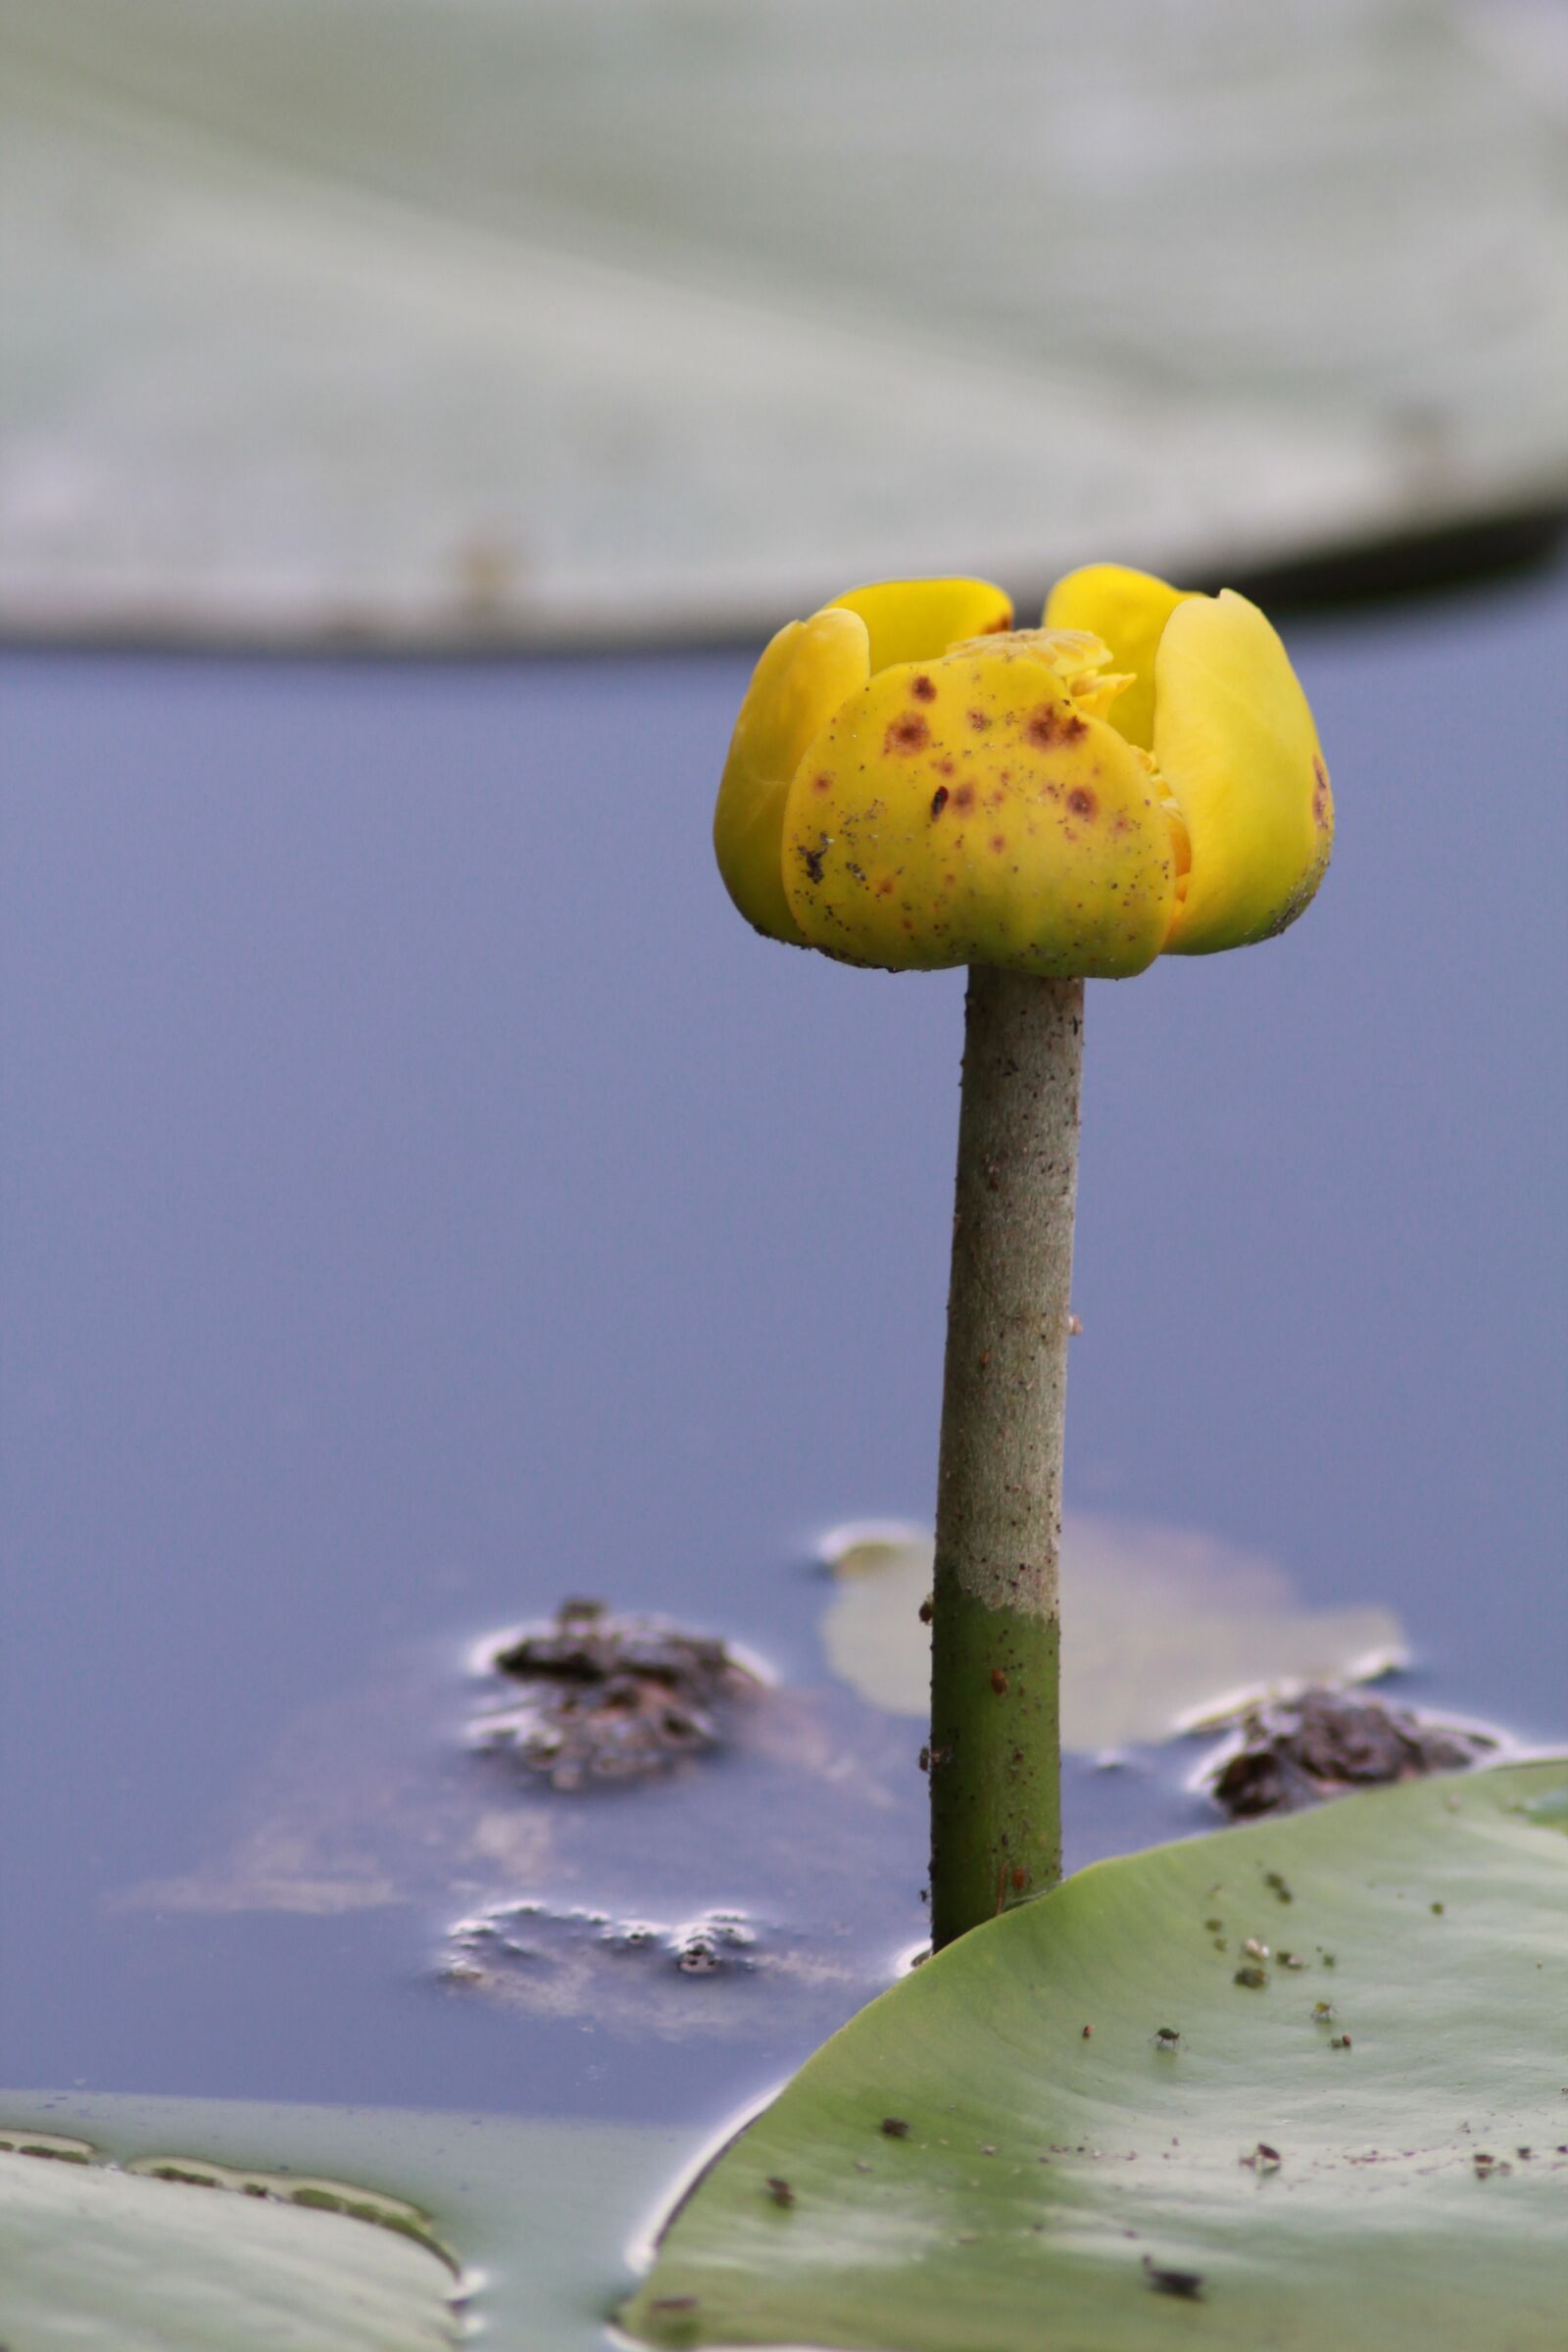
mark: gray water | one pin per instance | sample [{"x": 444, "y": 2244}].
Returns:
[{"x": 425, "y": 1198}]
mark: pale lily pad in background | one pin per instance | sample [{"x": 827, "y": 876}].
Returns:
[
  {"x": 1296, "y": 2085},
  {"x": 1160, "y": 1625},
  {"x": 540, "y": 2213},
  {"x": 519, "y": 319}
]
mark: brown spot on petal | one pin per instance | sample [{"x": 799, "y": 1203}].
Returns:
[
  {"x": 964, "y": 797},
  {"x": 978, "y": 720},
  {"x": 998, "y": 627},
  {"x": 1082, "y": 801},
  {"x": 998, "y": 842},
  {"x": 1051, "y": 725},
  {"x": 822, "y": 783},
  {"x": 906, "y": 733},
  {"x": 923, "y": 688},
  {"x": 1320, "y": 795}
]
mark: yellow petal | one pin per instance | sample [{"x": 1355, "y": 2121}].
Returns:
[
  {"x": 1129, "y": 610},
  {"x": 1239, "y": 752},
  {"x": 805, "y": 673},
  {"x": 914, "y": 620},
  {"x": 965, "y": 811}
]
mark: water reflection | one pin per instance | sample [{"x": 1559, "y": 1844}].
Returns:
[{"x": 424, "y": 1200}]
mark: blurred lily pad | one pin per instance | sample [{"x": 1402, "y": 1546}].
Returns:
[
  {"x": 1306, "y": 2077},
  {"x": 1161, "y": 1627},
  {"x": 103, "y": 2254},
  {"x": 510, "y": 319}
]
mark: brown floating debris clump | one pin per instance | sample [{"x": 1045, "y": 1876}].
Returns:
[
  {"x": 1293, "y": 1752},
  {"x": 601, "y": 1697}
]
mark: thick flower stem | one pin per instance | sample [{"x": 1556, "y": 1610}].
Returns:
[{"x": 996, "y": 1762}]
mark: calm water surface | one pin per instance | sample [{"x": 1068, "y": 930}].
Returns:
[{"x": 425, "y": 1198}]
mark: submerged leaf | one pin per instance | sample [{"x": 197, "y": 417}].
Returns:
[{"x": 1159, "y": 1625}]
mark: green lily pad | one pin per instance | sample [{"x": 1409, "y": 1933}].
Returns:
[
  {"x": 1120, "y": 2117},
  {"x": 100, "y": 2253},
  {"x": 1160, "y": 1625},
  {"x": 158, "y": 2259}
]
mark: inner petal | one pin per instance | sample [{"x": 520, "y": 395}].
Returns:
[
  {"x": 1129, "y": 610},
  {"x": 916, "y": 621}
]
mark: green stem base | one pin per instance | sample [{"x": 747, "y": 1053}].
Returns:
[{"x": 996, "y": 1763}]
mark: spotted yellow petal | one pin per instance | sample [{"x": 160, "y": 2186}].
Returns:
[
  {"x": 1238, "y": 751},
  {"x": 805, "y": 673},
  {"x": 914, "y": 620},
  {"x": 1129, "y": 610},
  {"x": 965, "y": 811}
]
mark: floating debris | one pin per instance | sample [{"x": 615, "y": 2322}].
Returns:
[
  {"x": 1252, "y": 1976},
  {"x": 1264, "y": 2158},
  {"x": 894, "y": 2127},
  {"x": 1287, "y": 1754},
  {"x": 531, "y": 1941},
  {"x": 609, "y": 1698},
  {"x": 1167, "y": 2037}
]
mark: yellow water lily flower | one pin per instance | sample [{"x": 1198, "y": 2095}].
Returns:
[{"x": 915, "y": 783}]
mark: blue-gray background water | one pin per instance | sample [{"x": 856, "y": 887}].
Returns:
[{"x": 425, "y": 1198}]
